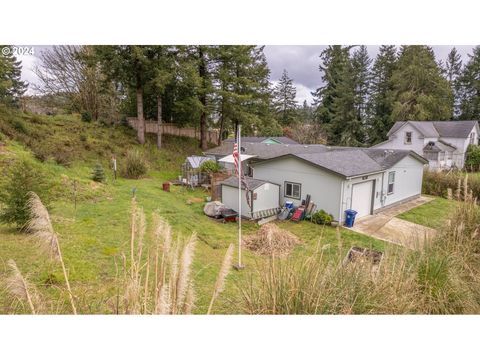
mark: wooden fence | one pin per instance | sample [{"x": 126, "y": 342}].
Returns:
[{"x": 172, "y": 129}]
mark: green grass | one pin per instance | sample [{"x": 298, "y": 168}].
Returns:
[
  {"x": 95, "y": 234},
  {"x": 432, "y": 214}
]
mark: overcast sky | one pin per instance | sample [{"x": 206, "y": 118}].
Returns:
[{"x": 301, "y": 62}]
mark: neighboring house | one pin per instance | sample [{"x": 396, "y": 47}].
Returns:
[
  {"x": 265, "y": 140},
  {"x": 336, "y": 178},
  {"x": 443, "y": 143}
]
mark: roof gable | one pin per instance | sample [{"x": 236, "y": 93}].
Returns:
[{"x": 448, "y": 129}]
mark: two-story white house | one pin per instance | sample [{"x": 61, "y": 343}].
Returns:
[{"x": 443, "y": 143}]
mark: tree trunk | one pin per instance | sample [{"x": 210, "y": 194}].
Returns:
[
  {"x": 140, "y": 118},
  {"x": 222, "y": 124},
  {"x": 159, "y": 122},
  {"x": 202, "y": 71}
]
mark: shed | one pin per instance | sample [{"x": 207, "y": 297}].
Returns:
[{"x": 259, "y": 198}]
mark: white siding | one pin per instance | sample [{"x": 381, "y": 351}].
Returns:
[
  {"x": 408, "y": 180},
  {"x": 323, "y": 186},
  {"x": 230, "y": 199},
  {"x": 397, "y": 140},
  {"x": 267, "y": 197}
]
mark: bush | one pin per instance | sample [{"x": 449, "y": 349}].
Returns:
[
  {"x": 321, "y": 217},
  {"x": 438, "y": 183},
  {"x": 210, "y": 167},
  {"x": 98, "y": 174},
  {"x": 24, "y": 176},
  {"x": 472, "y": 161},
  {"x": 86, "y": 116},
  {"x": 135, "y": 165}
]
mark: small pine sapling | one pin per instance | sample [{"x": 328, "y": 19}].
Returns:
[{"x": 98, "y": 174}]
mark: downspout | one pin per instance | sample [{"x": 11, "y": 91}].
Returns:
[
  {"x": 340, "y": 217},
  {"x": 382, "y": 192}
]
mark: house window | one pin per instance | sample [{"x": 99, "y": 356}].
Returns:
[
  {"x": 408, "y": 137},
  {"x": 391, "y": 182},
  {"x": 472, "y": 138},
  {"x": 293, "y": 190}
]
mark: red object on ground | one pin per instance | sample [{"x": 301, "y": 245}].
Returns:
[
  {"x": 166, "y": 186},
  {"x": 297, "y": 215}
]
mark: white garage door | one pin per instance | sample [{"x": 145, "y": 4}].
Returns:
[{"x": 362, "y": 198}]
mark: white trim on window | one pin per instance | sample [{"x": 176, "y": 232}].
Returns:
[
  {"x": 391, "y": 182},
  {"x": 292, "y": 190},
  {"x": 408, "y": 137}
]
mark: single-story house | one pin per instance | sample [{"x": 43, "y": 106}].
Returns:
[
  {"x": 337, "y": 179},
  {"x": 443, "y": 143},
  {"x": 263, "y": 198}
]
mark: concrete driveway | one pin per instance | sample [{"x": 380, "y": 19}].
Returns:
[{"x": 385, "y": 226}]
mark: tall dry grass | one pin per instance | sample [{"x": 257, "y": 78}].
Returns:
[
  {"x": 441, "y": 278},
  {"x": 161, "y": 282}
]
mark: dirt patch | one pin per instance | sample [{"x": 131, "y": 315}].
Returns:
[{"x": 271, "y": 240}]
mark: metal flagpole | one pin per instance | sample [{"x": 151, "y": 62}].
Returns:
[{"x": 239, "y": 152}]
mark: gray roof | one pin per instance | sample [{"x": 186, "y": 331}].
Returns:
[
  {"x": 195, "y": 161},
  {"x": 259, "y": 139},
  {"x": 251, "y": 182},
  {"x": 439, "y": 146},
  {"x": 265, "y": 151},
  {"x": 344, "y": 161},
  {"x": 448, "y": 129}
]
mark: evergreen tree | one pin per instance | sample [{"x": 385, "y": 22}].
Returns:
[
  {"x": 333, "y": 61},
  {"x": 362, "y": 77},
  {"x": 11, "y": 85},
  {"x": 284, "y": 102},
  {"x": 469, "y": 83},
  {"x": 453, "y": 70},
  {"x": 420, "y": 90},
  {"x": 381, "y": 98}
]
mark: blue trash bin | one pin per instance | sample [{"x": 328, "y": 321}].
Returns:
[{"x": 350, "y": 217}]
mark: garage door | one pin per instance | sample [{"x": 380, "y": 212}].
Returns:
[{"x": 362, "y": 198}]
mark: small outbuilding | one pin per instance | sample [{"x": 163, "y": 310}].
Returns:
[
  {"x": 191, "y": 171},
  {"x": 259, "y": 198}
]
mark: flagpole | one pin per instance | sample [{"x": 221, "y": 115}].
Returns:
[{"x": 239, "y": 142}]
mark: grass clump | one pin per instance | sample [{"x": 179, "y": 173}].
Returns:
[{"x": 135, "y": 165}]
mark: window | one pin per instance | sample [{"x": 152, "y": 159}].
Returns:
[
  {"x": 292, "y": 190},
  {"x": 472, "y": 138},
  {"x": 391, "y": 182},
  {"x": 408, "y": 137}
]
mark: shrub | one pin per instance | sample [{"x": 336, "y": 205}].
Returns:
[
  {"x": 472, "y": 161},
  {"x": 98, "y": 174},
  {"x": 20, "y": 126},
  {"x": 210, "y": 167},
  {"x": 24, "y": 176},
  {"x": 135, "y": 165},
  {"x": 86, "y": 116},
  {"x": 438, "y": 183},
  {"x": 321, "y": 217}
]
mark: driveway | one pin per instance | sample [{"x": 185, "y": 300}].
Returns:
[{"x": 385, "y": 226}]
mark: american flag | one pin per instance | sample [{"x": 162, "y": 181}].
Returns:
[{"x": 236, "y": 155}]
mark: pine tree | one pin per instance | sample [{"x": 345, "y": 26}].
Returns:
[
  {"x": 98, "y": 174},
  {"x": 420, "y": 90},
  {"x": 11, "y": 85},
  {"x": 284, "y": 102},
  {"x": 362, "y": 77},
  {"x": 453, "y": 70},
  {"x": 333, "y": 61},
  {"x": 381, "y": 98},
  {"x": 469, "y": 83}
]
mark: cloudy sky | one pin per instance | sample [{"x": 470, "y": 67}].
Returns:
[{"x": 301, "y": 62}]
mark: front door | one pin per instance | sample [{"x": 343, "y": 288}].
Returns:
[{"x": 362, "y": 198}]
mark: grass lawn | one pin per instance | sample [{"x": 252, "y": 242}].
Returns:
[
  {"x": 95, "y": 235},
  {"x": 432, "y": 214}
]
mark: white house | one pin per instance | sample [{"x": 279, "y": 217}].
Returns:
[
  {"x": 443, "y": 143},
  {"x": 363, "y": 179}
]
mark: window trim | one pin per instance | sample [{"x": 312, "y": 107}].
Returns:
[
  {"x": 472, "y": 138},
  {"x": 406, "y": 136},
  {"x": 292, "y": 183},
  {"x": 390, "y": 183}
]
